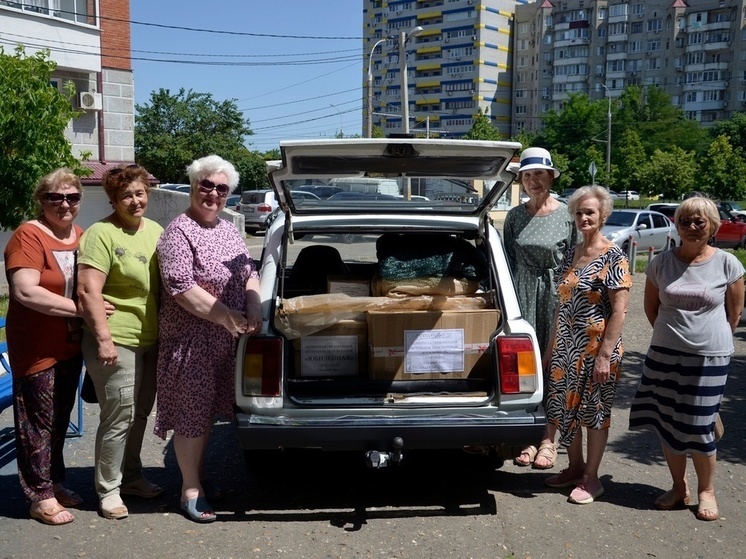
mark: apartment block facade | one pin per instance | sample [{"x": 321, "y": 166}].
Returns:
[
  {"x": 693, "y": 50},
  {"x": 90, "y": 42},
  {"x": 457, "y": 63}
]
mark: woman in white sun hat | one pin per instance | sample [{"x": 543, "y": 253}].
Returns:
[{"x": 537, "y": 234}]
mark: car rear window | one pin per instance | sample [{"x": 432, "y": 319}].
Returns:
[{"x": 254, "y": 197}]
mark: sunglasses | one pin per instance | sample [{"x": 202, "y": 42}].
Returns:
[
  {"x": 208, "y": 186},
  {"x": 687, "y": 223},
  {"x": 56, "y": 198}
]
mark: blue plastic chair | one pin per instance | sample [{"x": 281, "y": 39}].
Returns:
[{"x": 6, "y": 389}]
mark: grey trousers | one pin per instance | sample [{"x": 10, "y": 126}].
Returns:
[{"x": 126, "y": 394}]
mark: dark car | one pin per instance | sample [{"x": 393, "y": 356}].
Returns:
[
  {"x": 321, "y": 191},
  {"x": 340, "y": 196}
]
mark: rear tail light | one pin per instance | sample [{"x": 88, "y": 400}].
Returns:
[
  {"x": 262, "y": 366},
  {"x": 264, "y": 208},
  {"x": 516, "y": 358}
]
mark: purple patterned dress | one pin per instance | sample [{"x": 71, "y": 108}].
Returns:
[{"x": 196, "y": 357}]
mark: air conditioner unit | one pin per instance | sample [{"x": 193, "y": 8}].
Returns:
[
  {"x": 446, "y": 40},
  {"x": 90, "y": 101},
  {"x": 725, "y": 104},
  {"x": 545, "y": 96},
  {"x": 633, "y": 73},
  {"x": 449, "y": 93}
]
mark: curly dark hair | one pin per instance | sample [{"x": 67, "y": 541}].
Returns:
[{"x": 117, "y": 179}]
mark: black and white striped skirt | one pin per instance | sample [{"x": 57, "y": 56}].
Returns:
[{"x": 679, "y": 397}]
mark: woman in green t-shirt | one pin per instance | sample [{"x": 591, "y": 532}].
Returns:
[{"x": 118, "y": 264}]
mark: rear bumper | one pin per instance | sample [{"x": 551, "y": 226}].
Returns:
[{"x": 373, "y": 433}]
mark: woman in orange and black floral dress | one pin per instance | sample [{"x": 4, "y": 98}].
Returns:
[{"x": 587, "y": 351}]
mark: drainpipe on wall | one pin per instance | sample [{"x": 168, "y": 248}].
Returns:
[{"x": 101, "y": 132}]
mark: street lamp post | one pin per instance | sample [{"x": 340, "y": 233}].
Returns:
[
  {"x": 370, "y": 87},
  {"x": 608, "y": 138},
  {"x": 403, "y": 38}
]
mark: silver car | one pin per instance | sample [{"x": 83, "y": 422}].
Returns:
[
  {"x": 644, "y": 227},
  {"x": 256, "y": 207},
  {"x": 409, "y": 339}
]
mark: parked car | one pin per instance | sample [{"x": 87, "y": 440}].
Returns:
[
  {"x": 352, "y": 195},
  {"x": 231, "y": 203},
  {"x": 339, "y": 366},
  {"x": 302, "y": 195},
  {"x": 629, "y": 195},
  {"x": 667, "y": 209},
  {"x": 735, "y": 209},
  {"x": 648, "y": 228},
  {"x": 321, "y": 191},
  {"x": 565, "y": 194},
  {"x": 256, "y": 206},
  {"x": 732, "y": 232},
  {"x": 176, "y": 187}
]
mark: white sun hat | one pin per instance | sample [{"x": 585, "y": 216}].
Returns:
[{"x": 537, "y": 158}]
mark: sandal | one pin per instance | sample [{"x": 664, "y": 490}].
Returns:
[
  {"x": 47, "y": 516},
  {"x": 113, "y": 508},
  {"x": 530, "y": 453},
  {"x": 671, "y": 500},
  {"x": 141, "y": 488},
  {"x": 67, "y": 497},
  {"x": 548, "y": 452},
  {"x": 707, "y": 510},
  {"x": 198, "y": 510}
]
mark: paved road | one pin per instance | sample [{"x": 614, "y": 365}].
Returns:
[{"x": 442, "y": 505}]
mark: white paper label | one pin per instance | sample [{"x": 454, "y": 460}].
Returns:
[
  {"x": 434, "y": 351},
  {"x": 329, "y": 356},
  {"x": 349, "y": 288}
]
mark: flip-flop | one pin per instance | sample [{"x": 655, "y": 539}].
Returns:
[
  {"x": 46, "y": 516},
  {"x": 195, "y": 508},
  {"x": 530, "y": 453},
  {"x": 68, "y": 498},
  {"x": 710, "y": 506}
]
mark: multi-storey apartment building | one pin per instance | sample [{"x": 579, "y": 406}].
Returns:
[
  {"x": 457, "y": 58},
  {"x": 693, "y": 50},
  {"x": 90, "y": 42}
]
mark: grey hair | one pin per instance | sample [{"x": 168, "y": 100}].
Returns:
[
  {"x": 599, "y": 193},
  {"x": 210, "y": 165}
]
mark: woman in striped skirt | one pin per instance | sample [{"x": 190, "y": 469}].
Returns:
[{"x": 694, "y": 295}]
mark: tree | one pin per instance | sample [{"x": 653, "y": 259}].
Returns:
[
  {"x": 482, "y": 129},
  {"x": 33, "y": 118},
  {"x": 670, "y": 174},
  {"x": 253, "y": 170},
  {"x": 173, "y": 130},
  {"x": 734, "y": 128},
  {"x": 632, "y": 154},
  {"x": 723, "y": 171},
  {"x": 377, "y": 132}
]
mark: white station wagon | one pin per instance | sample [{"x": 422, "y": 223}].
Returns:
[{"x": 408, "y": 338}]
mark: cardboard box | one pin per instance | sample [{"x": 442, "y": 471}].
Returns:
[
  {"x": 423, "y": 345},
  {"x": 337, "y": 351},
  {"x": 354, "y": 286}
]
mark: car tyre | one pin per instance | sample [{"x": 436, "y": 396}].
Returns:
[
  {"x": 742, "y": 244},
  {"x": 671, "y": 244}
]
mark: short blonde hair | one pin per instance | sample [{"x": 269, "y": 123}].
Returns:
[
  {"x": 701, "y": 206},
  {"x": 58, "y": 177}
]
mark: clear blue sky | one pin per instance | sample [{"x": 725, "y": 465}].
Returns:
[{"x": 249, "y": 50}]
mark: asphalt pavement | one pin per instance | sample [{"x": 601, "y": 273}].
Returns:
[{"x": 437, "y": 505}]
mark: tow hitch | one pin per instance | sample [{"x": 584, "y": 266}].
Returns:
[{"x": 376, "y": 459}]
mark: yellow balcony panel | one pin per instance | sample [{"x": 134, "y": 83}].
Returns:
[
  {"x": 429, "y": 31},
  {"x": 428, "y": 67},
  {"x": 428, "y": 15},
  {"x": 433, "y": 118},
  {"x": 426, "y": 101},
  {"x": 425, "y": 85},
  {"x": 426, "y": 50}
]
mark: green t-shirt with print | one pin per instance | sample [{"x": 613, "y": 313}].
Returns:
[{"x": 129, "y": 260}]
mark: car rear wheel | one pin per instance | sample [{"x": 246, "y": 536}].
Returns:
[
  {"x": 671, "y": 244},
  {"x": 742, "y": 244}
]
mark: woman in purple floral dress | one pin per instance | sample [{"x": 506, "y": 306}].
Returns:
[{"x": 210, "y": 296}]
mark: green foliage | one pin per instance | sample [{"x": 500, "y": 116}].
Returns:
[
  {"x": 377, "y": 132},
  {"x": 725, "y": 173},
  {"x": 633, "y": 154},
  {"x": 33, "y": 118},
  {"x": 173, "y": 130},
  {"x": 671, "y": 173},
  {"x": 482, "y": 129},
  {"x": 734, "y": 128},
  {"x": 253, "y": 170},
  {"x": 271, "y": 155}
]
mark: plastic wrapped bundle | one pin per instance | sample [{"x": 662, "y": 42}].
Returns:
[{"x": 410, "y": 256}]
